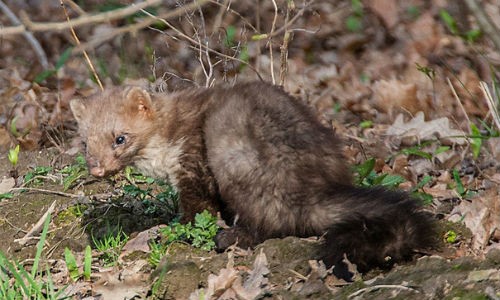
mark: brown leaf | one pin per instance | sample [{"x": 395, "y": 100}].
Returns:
[
  {"x": 425, "y": 34},
  {"x": 481, "y": 215},
  {"x": 393, "y": 96},
  {"x": 140, "y": 242},
  {"x": 229, "y": 283},
  {"x": 6, "y": 184},
  {"x": 387, "y": 10},
  {"x": 123, "y": 284},
  {"x": 422, "y": 130}
]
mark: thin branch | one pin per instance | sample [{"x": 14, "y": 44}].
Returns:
[
  {"x": 289, "y": 23},
  {"x": 76, "y": 7},
  {"x": 77, "y": 40},
  {"x": 42, "y": 57},
  {"x": 381, "y": 286},
  {"x": 97, "y": 18},
  {"x": 194, "y": 42},
  {"x": 284, "y": 47},
  {"x": 46, "y": 192},
  {"x": 491, "y": 103},
  {"x": 227, "y": 7},
  {"x": 137, "y": 26},
  {"x": 459, "y": 103},
  {"x": 269, "y": 41},
  {"x": 37, "y": 228}
]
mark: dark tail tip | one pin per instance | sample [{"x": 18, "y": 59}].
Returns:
[{"x": 379, "y": 238}]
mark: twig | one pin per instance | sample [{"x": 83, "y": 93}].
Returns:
[
  {"x": 269, "y": 41},
  {"x": 137, "y": 26},
  {"x": 381, "y": 286},
  {"x": 83, "y": 20},
  {"x": 257, "y": 27},
  {"x": 203, "y": 52},
  {"x": 229, "y": 9},
  {"x": 297, "y": 274},
  {"x": 42, "y": 57},
  {"x": 491, "y": 103},
  {"x": 284, "y": 47},
  {"x": 46, "y": 192},
  {"x": 194, "y": 42},
  {"x": 459, "y": 103},
  {"x": 37, "y": 228},
  {"x": 484, "y": 22},
  {"x": 76, "y": 7},
  {"x": 77, "y": 40},
  {"x": 218, "y": 18},
  {"x": 289, "y": 23}
]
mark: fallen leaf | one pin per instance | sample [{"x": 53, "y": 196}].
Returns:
[
  {"x": 140, "y": 242},
  {"x": 387, "y": 10},
  {"x": 229, "y": 283},
  {"x": 256, "y": 283},
  {"x": 421, "y": 130},
  {"x": 6, "y": 184},
  {"x": 393, "y": 96},
  {"x": 128, "y": 283},
  {"x": 481, "y": 215}
]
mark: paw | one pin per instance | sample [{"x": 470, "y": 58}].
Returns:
[{"x": 225, "y": 238}]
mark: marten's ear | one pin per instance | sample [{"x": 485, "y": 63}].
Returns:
[
  {"x": 138, "y": 100},
  {"x": 78, "y": 108}
]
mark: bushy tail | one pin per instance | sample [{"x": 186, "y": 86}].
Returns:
[{"x": 378, "y": 228}]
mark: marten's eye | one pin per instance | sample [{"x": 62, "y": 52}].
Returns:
[
  {"x": 84, "y": 144},
  {"x": 120, "y": 140}
]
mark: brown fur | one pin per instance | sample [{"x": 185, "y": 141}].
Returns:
[{"x": 257, "y": 153}]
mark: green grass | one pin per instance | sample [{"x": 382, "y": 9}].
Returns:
[
  {"x": 16, "y": 282},
  {"x": 110, "y": 246},
  {"x": 71, "y": 264}
]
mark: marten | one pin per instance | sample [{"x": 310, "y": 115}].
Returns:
[{"x": 261, "y": 156}]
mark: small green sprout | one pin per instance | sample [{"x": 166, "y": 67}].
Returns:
[
  {"x": 14, "y": 156},
  {"x": 451, "y": 236}
]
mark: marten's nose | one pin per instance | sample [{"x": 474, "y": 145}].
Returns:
[{"x": 97, "y": 171}]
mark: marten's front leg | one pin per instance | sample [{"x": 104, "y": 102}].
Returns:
[{"x": 196, "y": 187}]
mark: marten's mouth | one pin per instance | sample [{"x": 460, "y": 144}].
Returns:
[{"x": 101, "y": 172}]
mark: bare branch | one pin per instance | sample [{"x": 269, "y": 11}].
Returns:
[
  {"x": 139, "y": 25},
  {"x": 77, "y": 40},
  {"x": 194, "y": 42},
  {"x": 37, "y": 228},
  {"x": 83, "y": 20},
  {"x": 269, "y": 42},
  {"x": 42, "y": 57}
]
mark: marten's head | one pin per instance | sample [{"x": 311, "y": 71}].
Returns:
[{"x": 114, "y": 125}]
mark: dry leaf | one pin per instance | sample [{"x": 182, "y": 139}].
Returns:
[
  {"x": 6, "y": 184},
  {"x": 139, "y": 242},
  {"x": 481, "y": 215},
  {"x": 228, "y": 284},
  {"x": 256, "y": 282},
  {"x": 392, "y": 96},
  {"x": 387, "y": 10},
  {"x": 128, "y": 283},
  {"x": 422, "y": 130}
]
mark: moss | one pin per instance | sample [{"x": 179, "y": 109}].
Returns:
[{"x": 463, "y": 294}]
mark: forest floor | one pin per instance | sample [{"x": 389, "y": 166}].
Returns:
[{"x": 405, "y": 84}]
